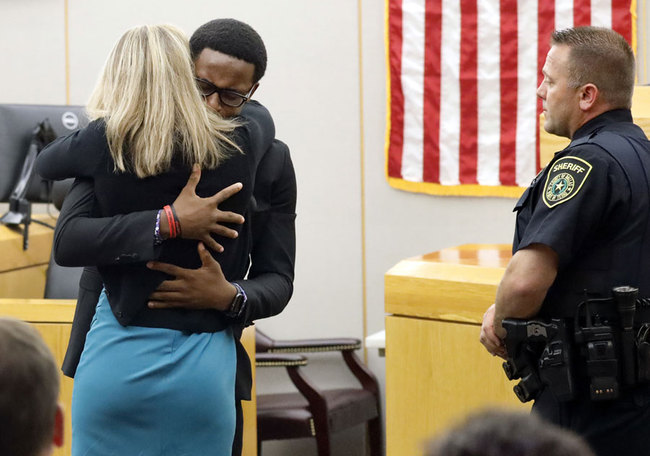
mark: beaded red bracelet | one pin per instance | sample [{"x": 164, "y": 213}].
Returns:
[
  {"x": 170, "y": 221},
  {"x": 177, "y": 222}
]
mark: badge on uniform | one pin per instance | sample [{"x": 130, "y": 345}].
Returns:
[{"x": 564, "y": 180}]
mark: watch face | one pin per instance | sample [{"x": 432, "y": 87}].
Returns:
[
  {"x": 236, "y": 305},
  {"x": 237, "y": 302}
]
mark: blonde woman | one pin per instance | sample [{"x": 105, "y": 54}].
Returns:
[{"x": 155, "y": 381}]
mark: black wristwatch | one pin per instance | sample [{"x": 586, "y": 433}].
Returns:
[{"x": 238, "y": 303}]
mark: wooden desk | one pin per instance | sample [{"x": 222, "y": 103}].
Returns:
[
  {"x": 53, "y": 319},
  {"x": 436, "y": 369},
  {"x": 22, "y": 272}
]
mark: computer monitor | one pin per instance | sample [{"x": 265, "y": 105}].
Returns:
[{"x": 17, "y": 124}]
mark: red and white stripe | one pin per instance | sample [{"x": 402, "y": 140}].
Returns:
[{"x": 463, "y": 80}]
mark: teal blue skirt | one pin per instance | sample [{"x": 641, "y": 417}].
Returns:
[{"x": 153, "y": 391}]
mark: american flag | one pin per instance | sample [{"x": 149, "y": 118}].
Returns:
[{"x": 463, "y": 116}]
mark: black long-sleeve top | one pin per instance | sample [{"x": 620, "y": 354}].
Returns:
[
  {"x": 129, "y": 283},
  {"x": 83, "y": 237}
]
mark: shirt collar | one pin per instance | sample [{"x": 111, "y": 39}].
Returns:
[{"x": 615, "y": 115}]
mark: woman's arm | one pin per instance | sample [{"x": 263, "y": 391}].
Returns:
[
  {"x": 74, "y": 155},
  {"x": 108, "y": 240},
  {"x": 129, "y": 238}
]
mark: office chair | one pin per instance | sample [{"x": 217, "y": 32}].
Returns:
[
  {"x": 315, "y": 412},
  {"x": 61, "y": 282}
]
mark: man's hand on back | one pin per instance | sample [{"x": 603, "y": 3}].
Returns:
[{"x": 200, "y": 218}]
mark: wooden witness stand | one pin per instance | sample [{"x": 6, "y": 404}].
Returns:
[
  {"x": 436, "y": 369},
  {"x": 22, "y": 276}
]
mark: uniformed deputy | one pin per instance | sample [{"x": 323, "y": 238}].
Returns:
[{"x": 583, "y": 225}]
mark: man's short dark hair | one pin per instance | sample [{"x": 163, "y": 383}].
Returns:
[
  {"x": 501, "y": 432},
  {"x": 234, "y": 38},
  {"x": 29, "y": 390}
]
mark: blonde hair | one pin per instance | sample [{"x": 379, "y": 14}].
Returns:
[{"x": 149, "y": 100}]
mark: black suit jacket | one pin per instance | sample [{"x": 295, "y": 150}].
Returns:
[{"x": 268, "y": 236}]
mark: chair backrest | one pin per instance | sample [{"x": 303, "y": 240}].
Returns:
[
  {"x": 262, "y": 342},
  {"x": 314, "y": 411},
  {"x": 61, "y": 282}
]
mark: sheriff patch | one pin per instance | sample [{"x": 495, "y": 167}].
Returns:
[{"x": 565, "y": 179}]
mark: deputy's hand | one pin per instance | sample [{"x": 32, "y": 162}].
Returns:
[
  {"x": 201, "y": 217},
  {"x": 202, "y": 288},
  {"x": 488, "y": 338}
]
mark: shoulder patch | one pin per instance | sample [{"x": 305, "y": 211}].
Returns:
[{"x": 565, "y": 179}]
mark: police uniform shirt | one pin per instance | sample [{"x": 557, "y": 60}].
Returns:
[{"x": 579, "y": 206}]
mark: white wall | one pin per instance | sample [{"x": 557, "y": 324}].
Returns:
[{"x": 312, "y": 87}]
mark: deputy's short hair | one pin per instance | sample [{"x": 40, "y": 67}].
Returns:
[
  {"x": 29, "y": 390},
  {"x": 233, "y": 38},
  {"x": 602, "y": 57}
]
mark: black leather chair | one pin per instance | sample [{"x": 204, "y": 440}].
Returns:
[
  {"x": 61, "y": 282},
  {"x": 312, "y": 411}
]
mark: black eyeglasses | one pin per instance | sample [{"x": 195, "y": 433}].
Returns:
[{"x": 226, "y": 96}]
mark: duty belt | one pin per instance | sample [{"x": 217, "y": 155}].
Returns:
[{"x": 609, "y": 338}]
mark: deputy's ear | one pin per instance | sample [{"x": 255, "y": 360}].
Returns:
[
  {"x": 57, "y": 439},
  {"x": 589, "y": 94}
]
